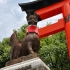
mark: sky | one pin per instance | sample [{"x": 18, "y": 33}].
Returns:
[{"x": 12, "y": 17}]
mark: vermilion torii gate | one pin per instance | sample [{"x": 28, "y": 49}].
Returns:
[{"x": 51, "y": 9}]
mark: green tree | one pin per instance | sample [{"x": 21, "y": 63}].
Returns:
[
  {"x": 21, "y": 32},
  {"x": 54, "y": 51},
  {"x": 4, "y": 51}
]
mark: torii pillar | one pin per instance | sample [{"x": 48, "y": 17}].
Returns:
[{"x": 66, "y": 15}]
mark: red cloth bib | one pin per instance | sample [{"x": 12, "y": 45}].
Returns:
[{"x": 32, "y": 28}]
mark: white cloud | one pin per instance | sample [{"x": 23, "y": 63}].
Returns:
[
  {"x": 51, "y": 20},
  {"x": 11, "y": 20},
  {"x": 16, "y": 9},
  {"x": 32, "y": 0},
  {"x": 1, "y": 23},
  {"x": 3, "y": 1}
]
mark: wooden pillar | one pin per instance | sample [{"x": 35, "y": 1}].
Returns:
[{"x": 66, "y": 15}]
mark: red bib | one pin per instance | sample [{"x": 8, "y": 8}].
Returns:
[{"x": 32, "y": 28}]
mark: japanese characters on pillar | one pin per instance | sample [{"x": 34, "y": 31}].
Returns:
[{"x": 66, "y": 15}]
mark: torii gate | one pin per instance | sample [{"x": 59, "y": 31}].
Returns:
[{"x": 62, "y": 6}]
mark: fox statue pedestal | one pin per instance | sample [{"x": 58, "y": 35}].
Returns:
[
  {"x": 21, "y": 59},
  {"x": 30, "y": 63}
]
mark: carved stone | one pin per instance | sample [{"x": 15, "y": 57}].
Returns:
[
  {"x": 20, "y": 59},
  {"x": 29, "y": 64},
  {"x": 29, "y": 44}
]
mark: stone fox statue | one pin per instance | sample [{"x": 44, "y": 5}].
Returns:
[{"x": 30, "y": 43}]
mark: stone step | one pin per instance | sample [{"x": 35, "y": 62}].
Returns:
[{"x": 31, "y": 64}]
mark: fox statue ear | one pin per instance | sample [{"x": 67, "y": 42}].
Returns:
[
  {"x": 28, "y": 16},
  {"x": 36, "y": 16}
]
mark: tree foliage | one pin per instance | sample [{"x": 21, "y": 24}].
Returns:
[
  {"x": 4, "y": 51},
  {"x": 53, "y": 50}
]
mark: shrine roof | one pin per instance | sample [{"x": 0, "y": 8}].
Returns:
[{"x": 35, "y": 5}]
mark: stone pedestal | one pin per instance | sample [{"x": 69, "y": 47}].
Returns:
[
  {"x": 21, "y": 59},
  {"x": 34, "y": 63}
]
